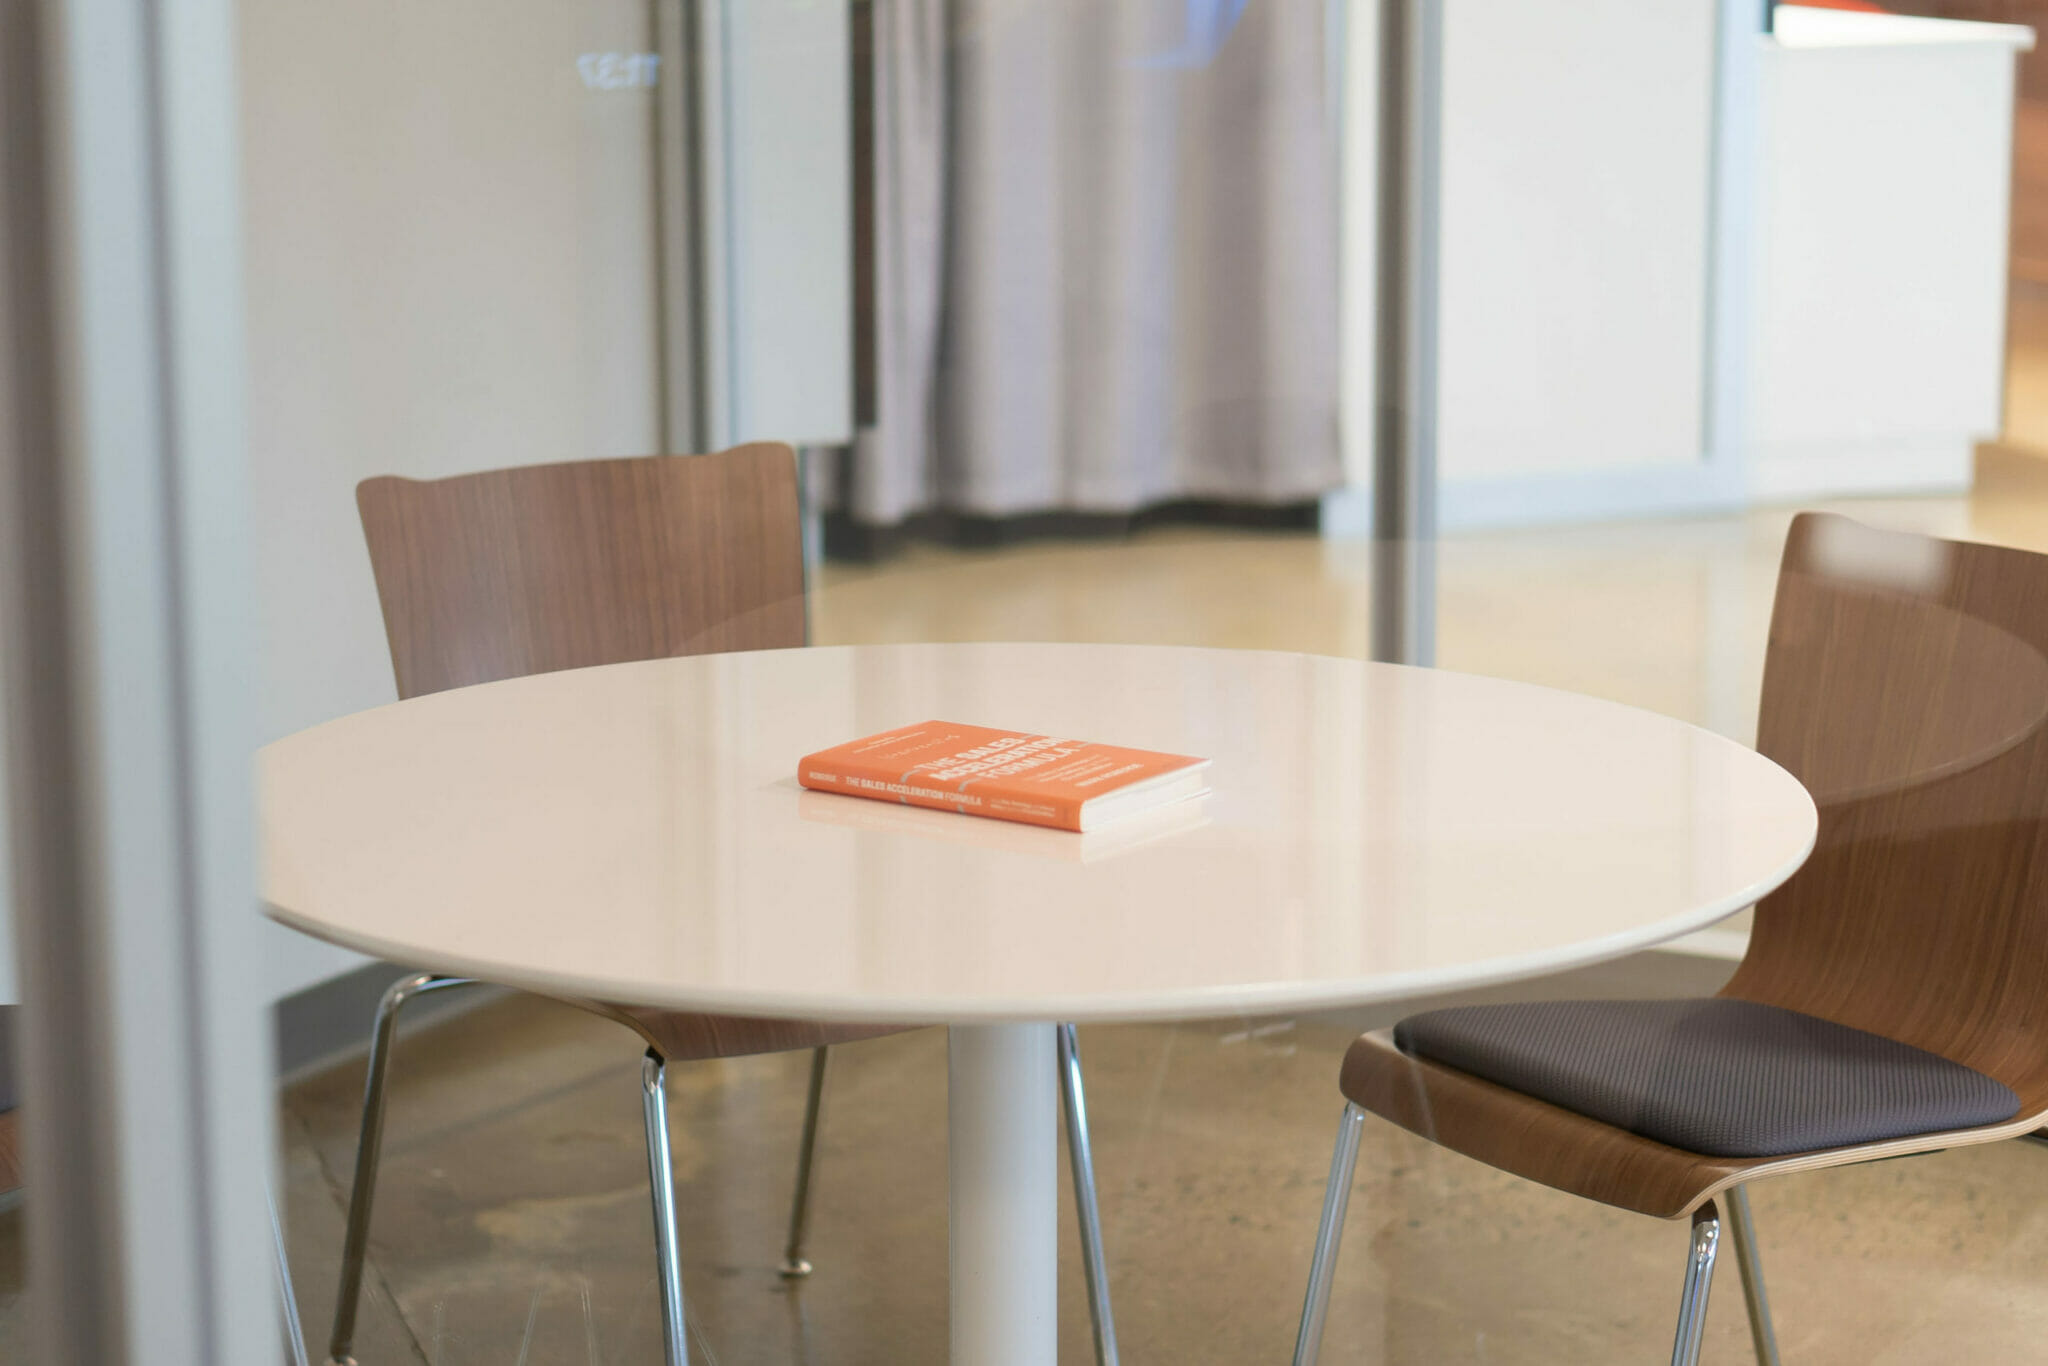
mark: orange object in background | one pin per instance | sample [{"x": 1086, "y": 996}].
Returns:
[{"x": 1010, "y": 775}]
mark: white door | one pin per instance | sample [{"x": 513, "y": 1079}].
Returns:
[{"x": 471, "y": 230}]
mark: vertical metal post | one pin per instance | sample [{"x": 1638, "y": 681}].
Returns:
[
  {"x": 126, "y": 636},
  {"x": 694, "y": 195},
  {"x": 1731, "y": 238},
  {"x": 676, "y": 195},
  {"x": 1405, "y": 344},
  {"x": 711, "y": 207}
]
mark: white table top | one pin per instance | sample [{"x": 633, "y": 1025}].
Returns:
[{"x": 636, "y": 834}]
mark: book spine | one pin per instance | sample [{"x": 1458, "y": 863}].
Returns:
[{"x": 1056, "y": 813}]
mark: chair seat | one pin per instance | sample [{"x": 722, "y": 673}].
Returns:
[
  {"x": 686, "y": 1036},
  {"x": 1722, "y": 1077}
]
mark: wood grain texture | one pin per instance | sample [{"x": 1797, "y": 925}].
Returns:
[
  {"x": 524, "y": 571},
  {"x": 684, "y": 1037},
  {"x": 10, "y": 1151},
  {"x": 1905, "y": 685},
  {"x": 1569, "y": 1152},
  {"x": 2029, "y": 251},
  {"x": 545, "y": 567}
]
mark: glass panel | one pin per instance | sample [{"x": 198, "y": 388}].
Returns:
[{"x": 1061, "y": 342}]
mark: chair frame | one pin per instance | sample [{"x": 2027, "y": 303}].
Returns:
[
  {"x": 1692, "y": 1305},
  {"x": 1906, "y": 684},
  {"x": 502, "y": 614},
  {"x": 661, "y": 1180}
]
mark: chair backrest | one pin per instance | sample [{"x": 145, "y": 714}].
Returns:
[
  {"x": 1906, "y": 684},
  {"x": 523, "y": 571}
]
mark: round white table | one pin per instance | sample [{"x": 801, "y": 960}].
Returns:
[{"x": 636, "y": 833}]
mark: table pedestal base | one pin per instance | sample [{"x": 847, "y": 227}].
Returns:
[{"x": 1002, "y": 1153}]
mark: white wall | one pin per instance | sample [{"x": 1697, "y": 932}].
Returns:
[
  {"x": 451, "y": 267},
  {"x": 1577, "y": 156},
  {"x": 1358, "y": 237},
  {"x": 1879, "y": 349},
  {"x": 1577, "y": 173},
  {"x": 454, "y": 265},
  {"x": 787, "y": 222},
  {"x": 1620, "y": 340}
]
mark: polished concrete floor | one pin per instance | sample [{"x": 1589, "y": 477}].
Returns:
[
  {"x": 513, "y": 1226},
  {"x": 1666, "y": 614},
  {"x": 513, "y": 1223}
]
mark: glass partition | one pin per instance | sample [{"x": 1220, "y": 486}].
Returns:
[{"x": 642, "y": 397}]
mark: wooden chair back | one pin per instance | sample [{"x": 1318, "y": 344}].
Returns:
[
  {"x": 1906, "y": 684},
  {"x": 522, "y": 571}
]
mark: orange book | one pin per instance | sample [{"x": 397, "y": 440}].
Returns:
[{"x": 1010, "y": 775}]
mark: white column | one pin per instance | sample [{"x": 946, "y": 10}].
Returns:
[
  {"x": 127, "y": 633},
  {"x": 1003, "y": 1110}
]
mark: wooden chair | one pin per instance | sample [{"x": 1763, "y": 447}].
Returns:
[
  {"x": 521, "y": 571},
  {"x": 1894, "y": 998}
]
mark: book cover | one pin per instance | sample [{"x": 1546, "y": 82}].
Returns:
[
  {"x": 1005, "y": 774},
  {"x": 1141, "y": 830}
]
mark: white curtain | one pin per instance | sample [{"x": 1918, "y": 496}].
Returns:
[{"x": 1106, "y": 255}]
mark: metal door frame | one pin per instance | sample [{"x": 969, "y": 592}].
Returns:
[{"x": 128, "y": 640}]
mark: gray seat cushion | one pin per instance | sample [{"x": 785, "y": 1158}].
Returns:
[{"x": 1721, "y": 1077}]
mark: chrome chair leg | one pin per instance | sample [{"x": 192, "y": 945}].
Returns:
[
  {"x": 1699, "y": 1279},
  {"x": 288, "y": 1300},
  {"x": 369, "y": 1143},
  {"x": 1308, "y": 1343},
  {"x": 661, "y": 1178},
  {"x": 794, "y": 1265},
  {"x": 1081, "y": 1160},
  {"x": 1743, "y": 1231}
]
